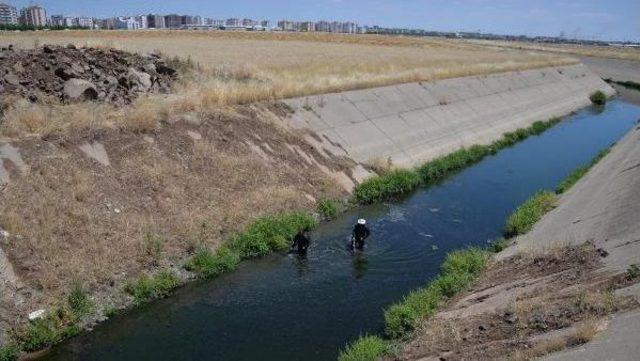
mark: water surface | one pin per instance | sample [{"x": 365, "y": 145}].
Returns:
[{"x": 290, "y": 308}]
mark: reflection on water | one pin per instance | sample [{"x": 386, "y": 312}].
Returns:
[{"x": 306, "y": 308}]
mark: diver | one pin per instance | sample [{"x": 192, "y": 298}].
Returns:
[
  {"x": 360, "y": 233},
  {"x": 301, "y": 241}
]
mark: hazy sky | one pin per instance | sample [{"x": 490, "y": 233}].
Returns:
[{"x": 600, "y": 19}]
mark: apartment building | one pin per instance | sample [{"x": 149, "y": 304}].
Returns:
[
  {"x": 8, "y": 14},
  {"x": 34, "y": 16},
  {"x": 155, "y": 21}
]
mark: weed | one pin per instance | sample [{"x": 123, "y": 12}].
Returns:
[
  {"x": 208, "y": 264},
  {"x": 385, "y": 186},
  {"x": 499, "y": 245},
  {"x": 153, "y": 245},
  {"x": 48, "y": 331},
  {"x": 598, "y": 98},
  {"x": 525, "y": 216},
  {"x": 633, "y": 271},
  {"x": 366, "y": 348},
  {"x": 9, "y": 353},
  {"x": 328, "y": 208},
  {"x": 270, "y": 233},
  {"x": 79, "y": 301},
  {"x": 147, "y": 288}
]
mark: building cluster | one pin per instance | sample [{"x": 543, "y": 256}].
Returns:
[{"x": 37, "y": 16}]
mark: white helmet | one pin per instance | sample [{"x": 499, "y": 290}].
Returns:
[{"x": 362, "y": 221}]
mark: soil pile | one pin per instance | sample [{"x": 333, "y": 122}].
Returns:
[{"x": 73, "y": 74}]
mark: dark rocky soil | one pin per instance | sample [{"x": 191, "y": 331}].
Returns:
[{"x": 71, "y": 74}]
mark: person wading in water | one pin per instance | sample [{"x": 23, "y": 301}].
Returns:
[
  {"x": 360, "y": 233},
  {"x": 301, "y": 241}
]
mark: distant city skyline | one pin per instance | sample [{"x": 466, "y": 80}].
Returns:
[{"x": 589, "y": 19}]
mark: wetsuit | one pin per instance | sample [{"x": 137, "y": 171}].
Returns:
[
  {"x": 302, "y": 242},
  {"x": 360, "y": 233}
]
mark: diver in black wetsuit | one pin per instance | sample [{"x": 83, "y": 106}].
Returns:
[
  {"x": 360, "y": 233},
  {"x": 301, "y": 241}
]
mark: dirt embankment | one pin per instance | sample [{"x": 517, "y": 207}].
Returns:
[
  {"x": 69, "y": 74},
  {"x": 572, "y": 279},
  {"x": 102, "y": 207}
]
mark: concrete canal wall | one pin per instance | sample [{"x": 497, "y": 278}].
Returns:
[{"x": 415, "y": 122}]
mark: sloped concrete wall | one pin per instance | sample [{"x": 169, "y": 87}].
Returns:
[{"x": 415, "y": 122}]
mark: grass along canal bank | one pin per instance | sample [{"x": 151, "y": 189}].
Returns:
[{"x": 459, "y": 270}]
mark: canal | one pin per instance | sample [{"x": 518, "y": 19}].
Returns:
[{"x": 283, "y": 307}]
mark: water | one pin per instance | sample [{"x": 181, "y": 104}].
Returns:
[{"x": 288, "y": 308}]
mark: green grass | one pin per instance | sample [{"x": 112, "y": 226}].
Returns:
[
  {"x": 525, "y": 217},
  {"x": 499, "y": 245},
  {"x": 146, "y": 288},
  {"x": 598, "y": 98},
  {"x": 328, "y": 208},
  {"x": 397, "y": 182},
  {"x": 458, "y": 271},
  {"x": 9, "y": 353},
  {"x": 54, "y": 327},
  {"x": 633, "y": 271},
  {"x": 366, "y": 348},
  {"x": 78, "y": 301},
  {"x": 270, "y": 233},
  {"x": 263, "y": 236},
  {"x": 208, "y": 264},
  {"x": 579, "y": 172},
  {"x": 385, "y": 186}
]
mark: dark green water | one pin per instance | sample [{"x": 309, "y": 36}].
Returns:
[{"x": 286, "y": 308}]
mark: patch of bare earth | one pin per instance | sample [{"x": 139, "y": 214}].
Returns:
[
  {"x": 524, "y": 307},
  {"x": 104, "y": 206}
]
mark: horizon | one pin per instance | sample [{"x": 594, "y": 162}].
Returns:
[{"x": 587, "y": 20}]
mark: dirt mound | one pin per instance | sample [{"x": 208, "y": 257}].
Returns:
[{"x": 73, "y": 74}]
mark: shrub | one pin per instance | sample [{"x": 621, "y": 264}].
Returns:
[
  {"x": 327, "y": 208},
  {"x": 390, "y": 184},
  {"x": 271, "y": 233},
  {"x": 79, "y": 301},
  {"x": 598, "y": 98},
  {"x": 9, "y": 353},
  {"x": 208, "y": 264},
  {"x": 366, "y": 348},
  {"x": 525, "y": 216},
  {"x": 499, "y": 245},
  {"x": 146, "y": 288},
  {"x": 633, "y": 271}
]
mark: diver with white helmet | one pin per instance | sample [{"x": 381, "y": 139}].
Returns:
[{"x": 360, "y": 233}]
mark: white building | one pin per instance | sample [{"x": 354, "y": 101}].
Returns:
[
  {"x": 126, "y": 23},
  {"x": 85, "y": 22},
  {"x": 142, "y": 22},
  {"x": 8, "y": 15}
]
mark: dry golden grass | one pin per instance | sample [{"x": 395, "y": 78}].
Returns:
[
  {"x": 164, "y": 195},
  {"x": 567, "y": 49},
  {"x": 237, "y": 68}
]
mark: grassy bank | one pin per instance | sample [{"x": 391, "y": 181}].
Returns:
[
  {"x": 400, "y": 181},
  {"x": 459, "y": 270},
  {"x": 265, "y": 235}
]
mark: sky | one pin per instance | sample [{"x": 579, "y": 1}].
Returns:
[{"x": 586, "y": 19}]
